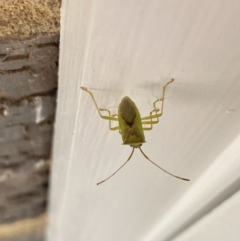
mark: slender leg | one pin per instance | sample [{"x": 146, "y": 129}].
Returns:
[
  {"x": 151, "y": 117},
  {"x": 119, "y": 127},
  {"x": 156, "y": 115},
  {"x": 95, "y": 103},
  {"x": 150, "y": 122},
  {"x": 110, "y": 126}
]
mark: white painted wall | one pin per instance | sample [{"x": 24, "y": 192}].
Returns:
[{"x": 133, "y": 48}]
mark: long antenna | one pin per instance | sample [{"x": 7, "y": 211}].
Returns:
[
  {"x": 184, "y": 179},
  {"x": 118, "y": 168}
]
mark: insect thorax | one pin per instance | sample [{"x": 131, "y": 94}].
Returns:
[{"x": 130, "y": 123}]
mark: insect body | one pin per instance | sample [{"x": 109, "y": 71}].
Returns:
[{"x": 132, "y": 125}]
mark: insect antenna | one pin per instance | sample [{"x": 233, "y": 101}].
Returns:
[
  {"x": 118, "y": 168},
  {"x": 184, "y": 179}
]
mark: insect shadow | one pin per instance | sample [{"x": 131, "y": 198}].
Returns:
[{"x": 131, "y": 125}]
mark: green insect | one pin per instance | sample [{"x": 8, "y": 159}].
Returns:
[{"x": 131, "y": 125}]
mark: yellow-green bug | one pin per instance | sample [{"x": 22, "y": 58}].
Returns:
[{"x": 131, "y": 124}]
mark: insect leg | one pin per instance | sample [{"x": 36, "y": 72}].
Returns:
[
  {"x": 110, "y": 127},
  {"x": 118, "y": 126},
  {"x": 95, "y": 103},
  {"x": 150, "y": 122},
  {"x": 157, "y": 114}
]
